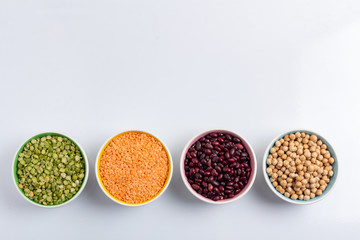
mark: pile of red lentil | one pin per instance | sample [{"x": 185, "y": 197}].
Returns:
[{"x": 134, "y": 167}]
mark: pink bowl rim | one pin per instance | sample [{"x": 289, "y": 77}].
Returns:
[{"x": 252, "y": 161}]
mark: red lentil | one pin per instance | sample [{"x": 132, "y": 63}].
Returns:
[{"x": 134, "y": 167}]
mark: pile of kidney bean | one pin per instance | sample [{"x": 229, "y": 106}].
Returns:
[{"x": 217, "y": 166}]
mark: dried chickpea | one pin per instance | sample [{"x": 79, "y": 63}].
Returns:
[{"x": 299, "y": 165}]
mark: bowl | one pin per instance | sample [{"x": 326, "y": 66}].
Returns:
[
  {"x": 117, "y": 200},
  {"x": 253, "y": 166},
  {"x": 330, "y": 185},
  {"x": 15, "y": 169}
]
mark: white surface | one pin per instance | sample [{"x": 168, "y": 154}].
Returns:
[{"x": 174, "y": 68}]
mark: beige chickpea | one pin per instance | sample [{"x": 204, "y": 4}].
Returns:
[
  {"x": 307, "y": 175},
  {"x": 292, "y": 175},
  {"x": 307, "y": 154},
  {"x": 313, "y": 138},
  {"x": 286, "y": 194},
  {"x": 294, "y": 196},
  {"x": 287, "y": 138},
  {"x": 301, "y": 197},
  {"x": 307, "y": 192},
  {"x": 307, "y": 198},
  {"x": 318, "y": 192},
  {"x": 312, "y": 195},
  {"x": 305, "y": 140},
  {"x": 313, "y": 190},
  {"x": 297, "y": 134},
  {"x": 322, "y": 187},
  {"x": 275, "y": 155},
  {"x": 331, "y": 160},
  {"x": 275, "y": 184},
  {"x": 322, "y": 151},
  {"x": 327, "y": 155},
  {"x": 311, "y": 168},
  {"x": 289, "y": 180},
  {"x": 287, "y": 172},
  {"x": 269, "y": 170},
  {"x": 331, "y": 173},
  {"x": 284, "y": 176},
  {"x": 300, "y": 151},
  {"x": 281, "y": 141},
  {"x": 277, "y": 143}
]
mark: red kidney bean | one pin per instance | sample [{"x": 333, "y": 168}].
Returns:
[
  {"x": 195, "y": 187},
  {"x": 217, "y": 166}
]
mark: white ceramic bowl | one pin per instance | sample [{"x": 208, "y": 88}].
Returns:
[
  {"x": 14, "y": 169},
  {"x": 332, "y": 179},
  {"x": 98, "y": 178},
  {"x": 253, "y": 164}
]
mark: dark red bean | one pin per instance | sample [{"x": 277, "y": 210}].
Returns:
[
  {"x": 217, "y": 198},
  {"x": 191, "y": 164},
  {"x": 239, "y": 146},
  {"x": 214, "y": 172},
  {"x": 226, "y": 170},
  {"x": 221, "y": 188},
  {"x": 207, "y": 151},
  {"x": 198, "y": 180},
  {"x": 215, "y": 183},
  {"x": 198, "y": 146},
  {"x": 227, "y": 177},
  {"x": 232, "y": 151},
  {"x": 204, "y": 184},
  {"x": 231, "y": 160},
  {"x": 227, "y": 191},
  {"x": 216, "y": 190},
  {"x": 229, "y": 187},
  {"x": 237, "y": 179},
  {"x": 218, "y": 169},
  {"x": 220, "y": 177},
  {"x": 195, "y": 187},
  {"x": 210, "y": 187},
  {"x": 236, "y": 186},
  {"x": 192, "y": 172}
]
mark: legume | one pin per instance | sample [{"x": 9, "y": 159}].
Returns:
[
  {"x": 217, "y": 166},
  {"x": 134, "y": 167},
  {"x": 300, "y": 166},
  {"x": 50, "y": 170}
]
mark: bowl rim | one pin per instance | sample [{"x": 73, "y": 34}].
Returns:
[
  {"x": 102, "y": 187},
  {"x": 333, "y": 179},
  {"x": 40, "y": 135},
  {"x": 225, "y": 201}
]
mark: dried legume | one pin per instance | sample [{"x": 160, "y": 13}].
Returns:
[
  {"x": 217, "y": 166},
  {"x": 134, "y": 167},
  {"x": 50, "y": 170},
  {"x": 300, "y": 166}
]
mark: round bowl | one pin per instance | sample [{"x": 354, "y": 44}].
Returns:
[
  {"x": 252, "y": 156},
  {"x": 15, "y": 176},
  {"x": 105, "y": 191},
  {"x": 332, "y": 179}
]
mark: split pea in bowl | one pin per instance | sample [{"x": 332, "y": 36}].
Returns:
[
  {"x": 50, "y": 170},
  {"x": 133, "y": 168}
]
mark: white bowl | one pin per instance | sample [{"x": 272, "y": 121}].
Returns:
[
  {"x": 248, "y": 186},
  {"x": 14, "y": 169},
  {"x": 332, "y": 179},
  {"x": 117, "y": 200}
]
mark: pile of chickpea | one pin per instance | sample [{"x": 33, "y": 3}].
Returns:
[{"x": 300, "y": 166}]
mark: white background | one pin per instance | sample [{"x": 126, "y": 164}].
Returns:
[{"x": 91, "y": 69}]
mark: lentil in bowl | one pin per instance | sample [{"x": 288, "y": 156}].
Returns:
[
  {"x": 133, "y": 168},
  {"x": 50, "y": 170}
]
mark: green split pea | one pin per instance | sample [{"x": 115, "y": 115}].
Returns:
[{"x": 50, "y": 170}]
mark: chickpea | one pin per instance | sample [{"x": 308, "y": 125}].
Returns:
[
  {"x": 322, "y": 187},
  {"x": 331, "y": 160},
  {"x": 297, "y": 134},
  {"x": 277, "y": 143},
  {"x": 286, "y": 194},
  {"x": 307, "y": 198},
  {"x": 301, "y": 197},
  {"x": 275, "y": 184},
  {"x": 282, "y": 141},
  {"x": 294, "y": 196},
  {"x": 272, "y": 150},
  {"x": 307, "y": 192},
  {"x": 318, "y": 192},
  {"x": 313, "y": 138}
]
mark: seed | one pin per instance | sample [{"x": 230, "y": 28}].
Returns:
[
  {"x": 134, "y": 167},
  {"x": 226, "y": 168},
  {"x": 39, "y": 176}
]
